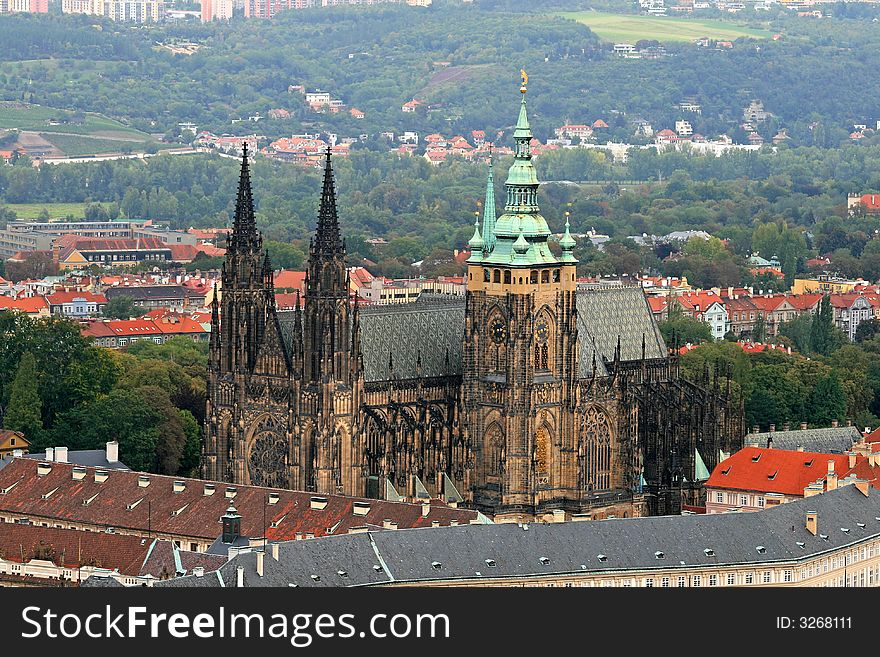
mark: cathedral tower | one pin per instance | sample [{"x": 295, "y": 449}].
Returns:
[
  {"x": 244, "y": 442},
  {"x": 520, "y": 349},
  {"x": 329, "y": 370}
]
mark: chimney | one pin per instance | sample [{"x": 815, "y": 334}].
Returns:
[
  {"x": 834, "y": 424},
  {"x": 50, "y": 454},
  {"x": 812, "y": 522},
  {"x": 389, "y": 524},
  {"x": 112, "y": 452},
  {"x": 558, "y": 515},
  {"x": 803, "y": 426},
  {"x": 199, "y": 571},
  {"x": 260, "y": 558},
  {"x": 770, "y": 442},
  {"x": 275, "y": 550},
  {"x": 61, "y": 455},
  {"x": 786, "y": 426},
  {"x": 852, "y": 459},
  {"x": 772, "y": 428},
  {"x": 426, "y": 509},
  {"x": 239, "y": 577},
  {"x": 756, "y": 429},
  {"x": 831, "y": 477}
]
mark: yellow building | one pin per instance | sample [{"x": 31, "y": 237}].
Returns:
[
  {"x": 11, "y": 441},
  {"x": 824, "y": 285}
]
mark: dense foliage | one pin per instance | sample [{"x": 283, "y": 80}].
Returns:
[{"x": 58, "y": 389}]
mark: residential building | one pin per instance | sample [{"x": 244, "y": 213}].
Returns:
[
  {"x": 149, "y": 297},
  {"x": 33, "y": 306},
  {"x": 579, "y": 131},
  {"x": 116, "y": 334},
  {"x": 12, "y": 441},
  {"x": 136, "y": 11},
  {"x": 75, "y": 252},
  {"x": 76, "y": 304},
  {"x": 742, "y": 313},
  {"x": 708, "y": 307},
  {"x": 827, "y": 540},
  {"x": 867, "y": 203},
  {"x": 24, "y": 6},
  {"x": 825, "y": 284},
  {"x": 757, "y": 477},
  {"x": 849, "y": 311},
  {"x": 684, "y": 128},
  {"x": 216, "y": 10}
]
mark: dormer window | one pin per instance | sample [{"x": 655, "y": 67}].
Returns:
[{"x": 659, "y": 555}]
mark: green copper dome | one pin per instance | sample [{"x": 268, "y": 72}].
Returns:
[{"x": 476, "y": 243}]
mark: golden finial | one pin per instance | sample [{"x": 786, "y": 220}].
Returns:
[{"x": 525, "y": 80}]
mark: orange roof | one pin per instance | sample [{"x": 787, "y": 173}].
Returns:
[
  {"x": 287, "y": 279},
  {"x": 183, "y": 252},
  {"x": 774, "y": 470},
  {"x": 658, "y": 304},
  {"x": 698, "y": 301},
  {"x": 770, "y": 302},
  {"x": 599, "y": 123},
  {"x": 30, "y": 305},
  {"x": 804, "y": 301},
  {"x": 68, "y": 297},
  {"x": 286, "y": 301},
  {"x": 210, "y": 250}
]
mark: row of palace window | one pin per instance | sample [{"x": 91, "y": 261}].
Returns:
[
  {"x": 740, "y": 498},
  {"x": 495, "y": 276},
  {"x": 123, "y": 257}
]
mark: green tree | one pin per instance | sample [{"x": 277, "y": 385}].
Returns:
[
  {"x": 759, "y": 332},
  {"x": 827, "y": 401},
  {"x": 681, "y": 329},
  {"x": 121, "y": 307},
  {"x": 867, "y": 329},
  {"x": 799, "y": 330},
  {"x": 824, "y": 336},
  {"x": 24, "y": 412}
]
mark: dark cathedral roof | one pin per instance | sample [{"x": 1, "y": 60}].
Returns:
[
  {"x": 607, "y": 314},
  {"x": 399, "y": 335},
  {"x": 431, "y": 329}
]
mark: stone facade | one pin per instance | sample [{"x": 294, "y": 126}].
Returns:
[{"x": 526, "y": 398}]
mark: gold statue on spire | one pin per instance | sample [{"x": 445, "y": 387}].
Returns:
[{"x": 525, "y": 80}]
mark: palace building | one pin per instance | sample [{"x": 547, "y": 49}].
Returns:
[{"x": 530, "y": 397}]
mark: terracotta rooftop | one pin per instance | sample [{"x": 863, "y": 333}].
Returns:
[{"x": 193, "y": 507}]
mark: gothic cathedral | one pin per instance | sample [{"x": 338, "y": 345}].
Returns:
[{"x": 532, "y": 395}]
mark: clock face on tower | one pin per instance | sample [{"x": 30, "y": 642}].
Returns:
[
  {"x": 542, "y": 331},
  {"x": 498, "y": 331}
]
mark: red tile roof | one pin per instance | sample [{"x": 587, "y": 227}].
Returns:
[
  {"x": 57, "y": 298},
  {"x": 70, "y": 548},
  {"x": 121, "y": 502},
  {"x": 774, "y": 470},
  {"x": 286, "y": 279},
  {"x": 30, "y": 305}
]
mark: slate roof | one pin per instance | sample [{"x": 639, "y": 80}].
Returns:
[
  {"x": 434, "y": 325},
  {"x": 630, "y": 544},
  {"x": 607, "y": 312},
  {"x": 427, "y": 329},
  {"x": 832, "y": 440},
  {"x": 89, "y": 457}
]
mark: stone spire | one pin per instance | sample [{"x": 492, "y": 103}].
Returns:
[
  {"x": 327, "y": 240},
  {"x": 489, "y": 210},
  {"x": 245, "y": 237}
]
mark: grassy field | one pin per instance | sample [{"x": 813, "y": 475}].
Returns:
[
  {"x": 79, "y": 145},
  {"x": 630, "y": 28},
  {"x": 32, "y": 211},
  {"x": 37, "y": 118}
]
